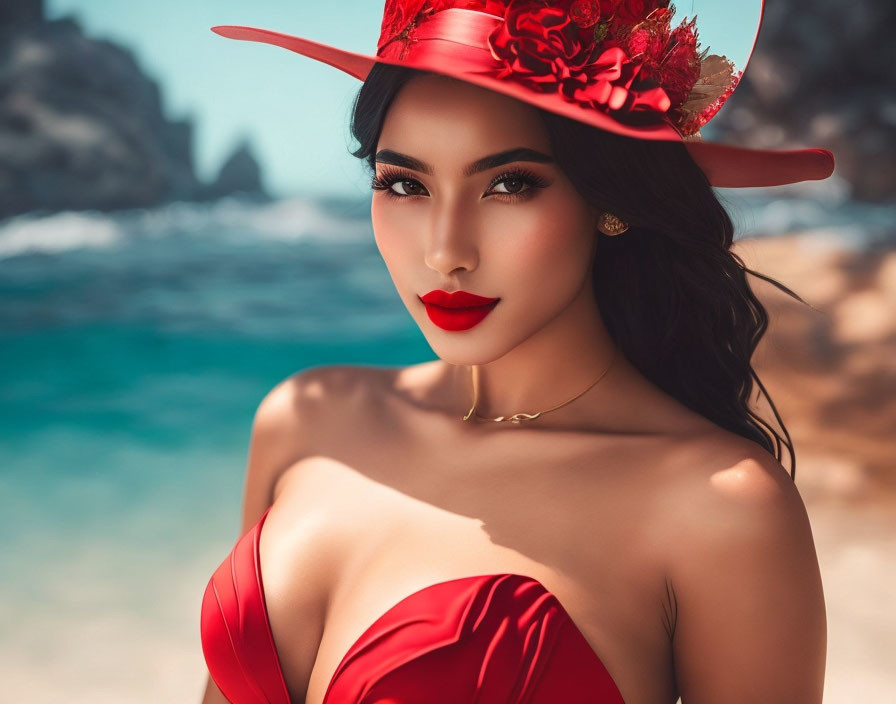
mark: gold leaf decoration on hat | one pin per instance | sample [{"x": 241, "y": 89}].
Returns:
[{"x": 716, "y": 82}]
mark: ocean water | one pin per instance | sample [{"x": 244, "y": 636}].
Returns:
[{"x": 134, "y": 349}]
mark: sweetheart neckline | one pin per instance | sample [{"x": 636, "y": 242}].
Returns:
[{"x": 257, "y": 556}]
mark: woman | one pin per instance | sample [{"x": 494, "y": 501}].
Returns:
[{"x": 574, "y": 503}]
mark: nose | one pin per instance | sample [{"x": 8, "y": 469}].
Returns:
[{"x": 450, "y": 244}]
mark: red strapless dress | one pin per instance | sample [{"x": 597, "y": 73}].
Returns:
[{"x": 488, "y": 639}]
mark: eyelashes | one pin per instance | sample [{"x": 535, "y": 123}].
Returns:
[{"x": 389, "y": 177}]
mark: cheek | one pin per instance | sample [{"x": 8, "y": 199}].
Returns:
[
  {"x": 547, "y": 249},
  {"x": 384, "y": 223},
  {"x": 386, "y": 229},
  {"x": 396, "y": 233}
]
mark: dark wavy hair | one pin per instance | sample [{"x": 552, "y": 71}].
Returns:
[{"x": 672, "y": 294}]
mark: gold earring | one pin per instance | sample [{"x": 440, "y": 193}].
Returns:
[{"x": 612, "y": 225}]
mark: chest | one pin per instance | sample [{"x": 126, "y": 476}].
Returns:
[{"x": 359, "y": 533}]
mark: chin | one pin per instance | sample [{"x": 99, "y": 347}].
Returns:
[{"x": 466, "y": 348}]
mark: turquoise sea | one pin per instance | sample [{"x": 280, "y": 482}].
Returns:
[{"x": 134, "y": 349}]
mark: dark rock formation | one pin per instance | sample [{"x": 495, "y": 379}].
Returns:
[
  {"x": 82, "y": 127},
  {"x": 823, "y": 74},
  {"x": 21, "y": 12},
  {"x": 239, "y": 174}
]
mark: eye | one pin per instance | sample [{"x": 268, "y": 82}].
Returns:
[
  {"x": 518, "y": 184},
  {"x": 409, "y": 185},
  {"x": 523, "y": 183}
]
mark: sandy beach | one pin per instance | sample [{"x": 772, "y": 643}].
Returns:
[{"x": 831, "y": 371}]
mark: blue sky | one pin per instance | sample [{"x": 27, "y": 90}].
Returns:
[{"x": 294, "y": 110}]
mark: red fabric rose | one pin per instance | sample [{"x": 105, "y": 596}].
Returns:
[
  {"x": 538, "y": 44},
  {"x": 609, "y": 83},
  {"x": 543, "y": 48}
]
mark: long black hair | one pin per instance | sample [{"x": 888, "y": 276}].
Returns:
[{"x": 672, "y": 294}]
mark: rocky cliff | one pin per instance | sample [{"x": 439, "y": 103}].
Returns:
[{"x": 81, "y": 125}]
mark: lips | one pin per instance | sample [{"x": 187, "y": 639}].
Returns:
[
  {"x": 457, "y": 299},
  {"x": 460, "y": 310}
]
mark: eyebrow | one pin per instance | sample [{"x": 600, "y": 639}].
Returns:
[{"x": 388, "y": 156}]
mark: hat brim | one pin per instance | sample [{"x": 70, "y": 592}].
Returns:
[{"x": 725, "y": 165}]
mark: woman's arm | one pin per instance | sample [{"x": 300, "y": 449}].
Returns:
[{"x": 751, "y": 624}]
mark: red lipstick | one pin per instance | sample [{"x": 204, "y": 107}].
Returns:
[{"x": 459, "y": 310}]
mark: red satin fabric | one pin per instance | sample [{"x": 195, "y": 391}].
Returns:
[{"x": 489, "y": 639}]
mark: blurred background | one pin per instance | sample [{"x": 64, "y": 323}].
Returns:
[{"x": 170, "y": 203}]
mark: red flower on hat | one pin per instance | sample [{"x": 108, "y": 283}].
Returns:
[
  {"x": 668, "y": 56},
  {"x": 543, "y": 47},
  {"x": 586, "y": 13},
  {"x": 538, "y": 44},
  {"x": 631, "y": 11}
]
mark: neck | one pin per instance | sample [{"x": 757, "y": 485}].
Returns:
[{"x": 545, "y": 370}]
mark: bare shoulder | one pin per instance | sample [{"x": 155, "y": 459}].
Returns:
[
  {"x": 287, "y": 426},
  {"x": 750, "y": 619},
  {"x": 304, "y": 407},
  {"x": 733, "y": 484},
  {"x": 311, "y": 393},
  {"x": 281, "y": 425}
]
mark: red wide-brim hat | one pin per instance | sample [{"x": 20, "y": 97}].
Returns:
[{"x": 618, "y": 65}]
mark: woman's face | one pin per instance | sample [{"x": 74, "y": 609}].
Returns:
[{"x": 526, "y": 238}]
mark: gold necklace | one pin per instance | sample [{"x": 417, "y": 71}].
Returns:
[{"x": 517, "y": 417}]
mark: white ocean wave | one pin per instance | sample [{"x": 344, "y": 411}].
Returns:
[
  {"x": 59, "y": 232},
  {"x": 232, "y": 219},
  {"x": 288, "y": 219}
]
